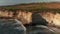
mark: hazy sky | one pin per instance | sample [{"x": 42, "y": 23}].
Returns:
[{"x": 11, "y": 2}]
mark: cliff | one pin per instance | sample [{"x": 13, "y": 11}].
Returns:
[
  {"x": 25, "y": 17},
  {"x": 53, "y": 19},
  {"x": 47, "y": 12}
]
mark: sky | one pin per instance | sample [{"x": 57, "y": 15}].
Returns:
[{"x": 13, "y": 2}]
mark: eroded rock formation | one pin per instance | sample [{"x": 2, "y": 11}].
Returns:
[
  {"x": 52, "y": 18},
  {"x": 23, "y": 16}
]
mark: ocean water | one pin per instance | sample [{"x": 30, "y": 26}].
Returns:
[{"x": 12, "y": 27}]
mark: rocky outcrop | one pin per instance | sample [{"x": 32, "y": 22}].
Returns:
[
  {"x": 23, "y": 16},
  {"x": 37, "y": 19},
  {"x": 53, "y": 19},
  {"x": 27, "y": 17}
]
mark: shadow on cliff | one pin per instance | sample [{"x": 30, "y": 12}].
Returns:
[{"x": 37, "y": 19}]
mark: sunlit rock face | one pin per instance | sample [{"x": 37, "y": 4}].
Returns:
[
  {"x": 56, "y": 19},
  {"x": 23, "y": 16},
  {"x": 53, "y": 19},
  {"x": 48, "y": 16},
  {"x": 6, "y": 13}
]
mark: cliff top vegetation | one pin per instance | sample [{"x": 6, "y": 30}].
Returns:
[{"x": 44, "y": 6}]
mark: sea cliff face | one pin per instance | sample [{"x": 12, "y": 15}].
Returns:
[
  {"x": 25, "y": 17},
  {"x": 52, "y": 18}
]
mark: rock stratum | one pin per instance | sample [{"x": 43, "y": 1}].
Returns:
[{"x": 25, "y": 17}]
